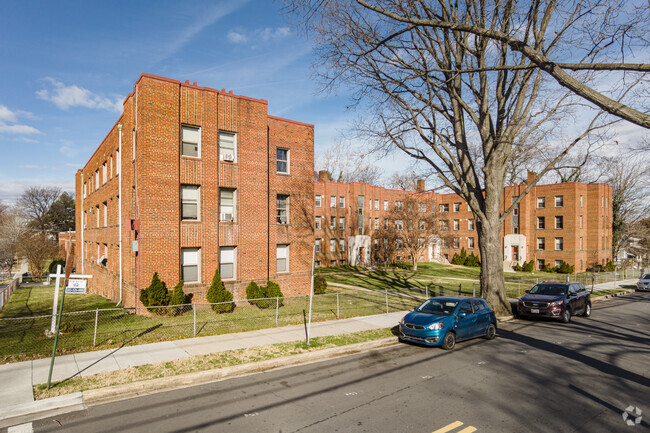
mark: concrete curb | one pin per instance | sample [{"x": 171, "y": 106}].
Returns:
[
  {"x": 613, "y": 295},
  {"x": 25, "y": 412},
  {"x": 39, "y": 409}
]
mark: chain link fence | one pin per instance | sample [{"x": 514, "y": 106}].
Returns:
[{"x": 26, "y": 338}]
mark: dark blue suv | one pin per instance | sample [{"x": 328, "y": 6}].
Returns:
[{"x": 555, "y": 300}]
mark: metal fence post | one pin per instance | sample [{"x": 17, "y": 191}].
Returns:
[
  {"x": 338, "y": 315},
  {"x": 474, "y": 290},
  {"x": 386, "y": 290},
  {"x": 277, "y": 309},
  {"x": 426, "y": 291},
  {"x": 460, "y": 288},
  {"x": 95, "y": 333},
  {"x": 194, "y": 310}
]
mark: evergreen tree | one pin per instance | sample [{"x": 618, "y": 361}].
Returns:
[
  {"x": 178, "y": 299},
  {"x": 217, "y": 294},
  {"x": 273, "y": 291}
]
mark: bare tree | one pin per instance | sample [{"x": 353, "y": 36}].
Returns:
[
  {"x": 405, "y": 182},
  {"x": 462, "y": 86},
  {"x": 35, "y": 203},
  {"x": 37, "y": 248},
  {"x": 12, "y": 227},
  {"x": 384, "y": 244},
  {"x": 344, "y": 164}
]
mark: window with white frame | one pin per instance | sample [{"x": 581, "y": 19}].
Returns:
[
  {"x": 385, "y": 224},
  {"x": 559, "y": 263},
  {"x": 422, "y": 207},
  {"x": 470, "y": 243},
  {"x": 581, "y": 202},
  {"x": 559, "y": 201},
  {"x": 456, "y": 224},
  {"x": 282, "y": 160},
  {"x": 317, "y": 264},
  {"x": 189, "y": 202},
  {"x": 85, "y": 184},
  {"x": 332, "y": 201},
  {"x": 376, "y": 223},
  {"x": 385, "y": 204},
  {"x": 580, "y": 244},
  {"x": 341, "y": 223},
  {"x": 227, "y": 147},
  {"x": 443, "y": 225},
  {"x": 376, "y": 204},
  {"x": 317, "y": 226},
  {"x": 470, "y": 224},
  {"x": 559, "y": 222},
  {"x": 341, "y": 245},
  {"x": 399, "y": 244},
  {"x": 319, "y": 201},
  {"x": 541, "y": 243},
  {"x": 541, "y": 202},
  {"x": 104, "y": 173},
  {"x": 540, "y": 264},
  {"x": 105, "y": 214},
  {"x": 456, "y": 207},
  {"x": 399, "y": 206},
  {"x": 318, "y": 244},
  {"x": 341, "y": 202},
  {"x": 444, "y": 207},
  {"x": 332, "y": 245},
  {"x": 190, "y": 264},
  {"x": 227, "y": 257},
  {"x": 422, "y": 225},
  {"x": 399, "y": 225},
  {"x": 226, "y": 204},
  {"x": 282, "y": 209},
  {"x": 110, "y": 170},
  {"x": 282, "y": 258},
  {"x": 190, "y": 141},
  {"x": 559, "y": 244},
  {"x": 332, "y": 223},
  {"x": 541, "y": 223},
  {"x": 332, "y": 263},
  {"x": 96, "y": 180},
  {"x": 456, "y": 242},
  {"x": 580, "y": 221}
]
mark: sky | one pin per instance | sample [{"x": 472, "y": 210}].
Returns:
[{"x": 68, "y": 65}]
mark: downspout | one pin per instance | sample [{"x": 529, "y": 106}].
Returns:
[
  {"x": 83, "y": 226},
  {"x": 119, "y": 204}
]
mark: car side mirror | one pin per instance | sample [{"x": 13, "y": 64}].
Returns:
[
  {"x": 462, "y": 314},
  {"x": 527, "y": 291}
]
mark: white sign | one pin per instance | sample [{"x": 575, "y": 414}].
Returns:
[{"x": 76, "y": 286}]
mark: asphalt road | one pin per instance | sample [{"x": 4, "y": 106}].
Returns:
[{"x": 536, "y": 376}]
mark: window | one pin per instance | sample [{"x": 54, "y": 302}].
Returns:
[
  {"x": 420, "y": 242},
  {"x": 133, "y": 144},
  {"x": 580, "y": 221},
  {"x": 332, "y": 201},
  {"x": 456, "y": 242},
  {"x": 342, "y": 245},
  {"x": 332, "y": 223},
  {"x": 541, "y": 243},
  {"x": 376, "y": 223},
  {"x": 282, "y": 160},
  {"x": 559, "y": 263},
  {"x": 318, "y": 242},
  {"x": 332, "y": 245},
  {"x": 443, "y": 225},
  {"x": 399, "y": 225},
  {"x": 341, "y": 223},
  {"x": 456, "y": 224},
  {"x": 470, "y": 224},
  {"x": 376, "y": 204},
  {"x": 385, "y": 224},
  {"x": 541, "y": 202},
  {"x": 399, "y": 205},
  {"x": 317, "y": 226},
  {"x": 559, "y": 222},
  {"x": 189, "y": 202},
  {"x": 97, "y": 216},
  {"x": 332, "y": 263},
  {"x": 422, "y": 225},
  {"x": 190, "y": 138},
  {"x": 444, "y": 243},
  {"x": 317, "y": 263},
  {"x": 559, "y": 201},
  {"x": 105, "y": 214},
  {"x": 226, "y": 204},
  {"x": 282, "y": 209},
  {"x": 456, "y": 207},
  {"x": 96, "y": 180},
  {"x": 319, "y": 200},
  {"x": 580, "y": 244},
  {"x": 282, "y": 258},
  {"x": 444, "y": 208},
  {"x": 540, "y": 223},
  {"x": 227, "y": 147},
  {"x": 227, "y": 262},
  {"x": 399, "y": 244},
  {"x": 559, "y": 244},
  {"x": 190, "y": 264},
  {"x": 422, "y": 207},
  {"x": 104, "y": 173},
  {"x": 385, "y": 204},
  {"x": 85, "y": 184},
  {"x": 110, "y": 171},
  {"x": 470, "y": 243},
  {"x": 580, "y": 201},
  {"x": 341, "y": 202},
  {"x": 540, "y": 264}
]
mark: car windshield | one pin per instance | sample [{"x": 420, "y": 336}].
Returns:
[
  {"x": 548, "y": 289},
  {"x": 646, "y": 277},
  {"x": 437, "y": 306}
]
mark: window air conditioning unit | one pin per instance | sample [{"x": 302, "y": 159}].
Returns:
[
  {"x": 226, "y": 217},
  {"x": 227, "y": 157}
]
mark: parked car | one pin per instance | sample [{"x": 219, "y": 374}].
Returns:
[
  {"x": 643, "y": 283},
  {"x": 442, "y": 321},
  {"x": 555, "y": 300}
]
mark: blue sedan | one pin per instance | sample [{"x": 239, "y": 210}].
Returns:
[{"x": 444, "y": 320}]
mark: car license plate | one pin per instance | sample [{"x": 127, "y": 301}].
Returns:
[{"x": 534, "y": 310}]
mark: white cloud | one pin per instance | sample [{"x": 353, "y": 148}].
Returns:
[
  {"x": 10, "y": 191},
  {"x": 65, "y": 97},
  {"x": 8, "y": 119},
  {"x": 254, "y": 36},
  {"x": 31, "y": 166}
]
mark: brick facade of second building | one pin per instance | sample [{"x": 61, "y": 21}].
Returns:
[
  {"x": 208, "y": 181},
  {"x": 567, "y": 222}
]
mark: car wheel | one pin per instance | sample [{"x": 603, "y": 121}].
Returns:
[
  {"x": 587, "y": 312},
  {"x": 449, "y": 341},
  {"x": 566, "y": 316},
  {"x": 491, "y": 331}
]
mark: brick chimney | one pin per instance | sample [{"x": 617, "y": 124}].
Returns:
[
  {"x": 531, "y": 177},
  {"x": 322, "y": 176},
  {"x": 420, "y": 185}
]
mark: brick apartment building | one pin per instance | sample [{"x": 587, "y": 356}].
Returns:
[
  {"x": 568, "y": 222},
  {"x": 192, "y": 179}
]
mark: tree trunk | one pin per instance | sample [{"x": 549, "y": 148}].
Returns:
[
  {"x": 492, "y": 283},
  {"x": 415, "y": 263}
]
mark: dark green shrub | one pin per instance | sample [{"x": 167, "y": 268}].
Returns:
[
  {"x": 273, "y": 291},
  {"x": 565, "y": 268},
  {"x": 516, "y": 267},
  {"x": 548, "y": 268},
  {"x": 472, "y": 260},
  {"x": 179, "y": 298},
  {"x": 156, "y": 295},
  {"x": 320, "y": 284},
  {"x": 253, "y": 292},
  {"x": 528, "y": 266},
  {"x": 217, "y": 294},
  {"x": 456, "y": 260},
  {"x": 609, "y": 267},
  {"x": 52, "y": 268}
]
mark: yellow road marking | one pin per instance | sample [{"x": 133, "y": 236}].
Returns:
[
  {"x": 449, "y": 427},
  {"x": 469, "y": 429}
]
